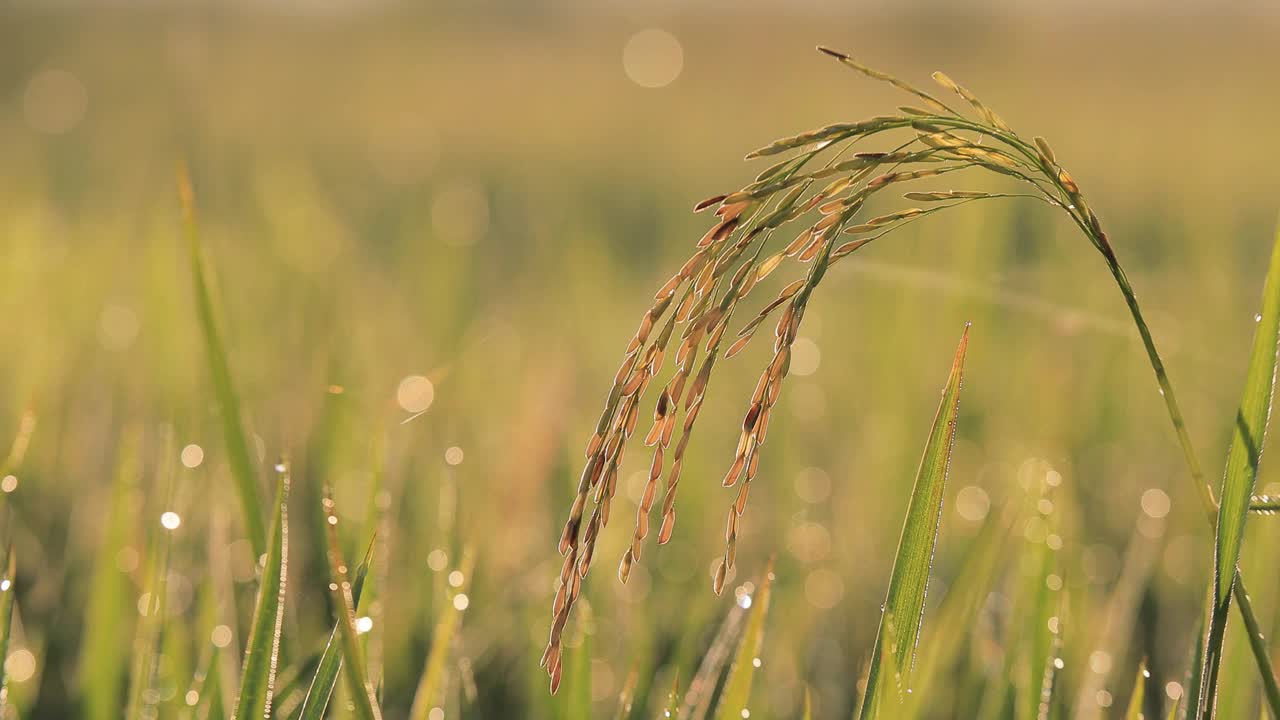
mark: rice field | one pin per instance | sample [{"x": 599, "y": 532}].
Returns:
[{"x": 311, "y": 317}]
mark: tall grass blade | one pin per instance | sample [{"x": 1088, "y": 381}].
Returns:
[
  {"x": 736, "y": 696},
  {"x": 1139, "y": 693},
  {"x": 340, "y": 595},
  {"x": 7, "y": 591},
  {"x": 258, "y": 671},
  {"x": 904, "y": 602},
  {"x": 672, "y": 710},
  {"x": 233, "y": 434},
  {"x": 1247, "y": 441},
  {"x": 430, "y": 685},
  {"x": 808, "y": 705},
  {"x": 326, "y": 675}
]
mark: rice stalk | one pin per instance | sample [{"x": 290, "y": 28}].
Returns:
[{"x": 824, "y": 202}]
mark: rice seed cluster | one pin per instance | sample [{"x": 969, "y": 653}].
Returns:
[{"x": 822, "y": 185}]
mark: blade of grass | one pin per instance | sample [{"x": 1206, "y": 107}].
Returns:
[
  {"x": 808, "y": 705},
  {"x": 672, "y": 710},
  {"x": 258, "y": 671},
  {"x": 340, "y": 595},
  {"x": 233, "y": 434},
  {"x": 1247, "y": 441},
  {"x": 430, "y": 685},
  {"x": 1139, "y": 693},
  {"x": 326, "y": 674},
  {"x": 7, "y": 591},
  {"x": 736, "y": 696},
  {"x": 904, "y": 602}
]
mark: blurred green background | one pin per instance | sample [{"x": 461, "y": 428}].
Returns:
[{"x": 466, "y": 209}]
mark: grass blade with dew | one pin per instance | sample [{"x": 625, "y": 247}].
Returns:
[
  {"x": 430, "y": 686},
  {"x": 673, "y": 700},
  {"x": 7, "y": 591},
  {"x": 233, "y": 433},
  {"x": 1247, "y": 441},
  {"x": 258, "y": 671},
  {"x": 736, "y": 696},
  {"x": 341, "y": 597},
  {"x": 326, "y": 675},
  {"x": 1138, "y": 696},
  {"x": 904, "y": 602}
]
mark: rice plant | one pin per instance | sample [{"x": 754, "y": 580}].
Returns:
[{"x": 821, "y": 187}]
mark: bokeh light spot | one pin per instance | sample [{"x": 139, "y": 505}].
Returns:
[{"x": 653, "y": 58}]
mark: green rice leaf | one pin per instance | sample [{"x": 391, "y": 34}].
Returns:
[
  {"x": 258, "y": 671},
  {"x": 326, "y": 674},
  {"x": 340, "y": 596},
  {"x": 233, "y": 434},
  {"x": 1247, "y": 441},
  {"x": 736, "y": 696},
  {"x": 904, "y": 603}
]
